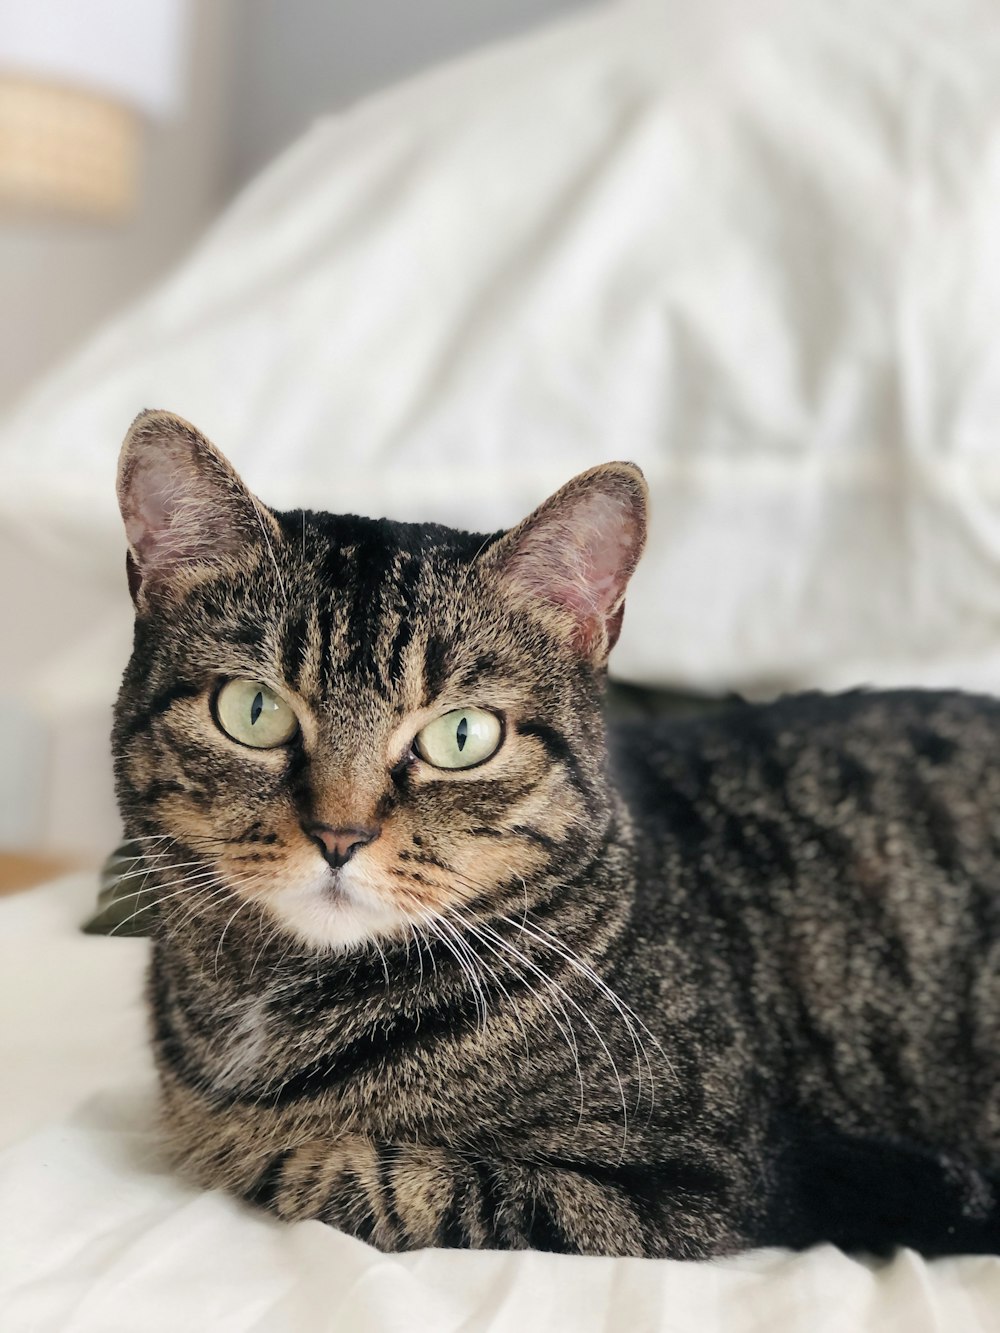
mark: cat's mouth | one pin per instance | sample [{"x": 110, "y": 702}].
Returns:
[
  {"x": 337, "y": 889},
  {"x": 334, "y": 907},
  {"x": 334, "y": 884}
]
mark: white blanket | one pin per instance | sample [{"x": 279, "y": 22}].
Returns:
[{"x": 98, "y": 1237}]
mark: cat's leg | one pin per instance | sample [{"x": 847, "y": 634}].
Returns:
[
  {"x": 406, "y": 1196},
  {"x": 877, "y": 1194}
]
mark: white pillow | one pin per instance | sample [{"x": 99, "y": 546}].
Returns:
[{"x": 759, "y": 254}]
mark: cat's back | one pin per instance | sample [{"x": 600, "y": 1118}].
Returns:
[
  {"x": 903, "y": 757},
  {"x": 862, "y": 827}
]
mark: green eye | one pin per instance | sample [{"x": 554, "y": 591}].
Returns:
[
  {"x": 459, "y": 739},
  {"x": 252, "y": 714}
]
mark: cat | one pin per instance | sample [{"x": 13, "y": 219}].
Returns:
[{"x": 441, "y": 962}]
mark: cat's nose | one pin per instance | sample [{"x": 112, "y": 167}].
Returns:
[{"x": 338, "y": 845}]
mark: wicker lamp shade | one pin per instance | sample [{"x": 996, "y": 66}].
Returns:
[{"x": 66, "y": 151}]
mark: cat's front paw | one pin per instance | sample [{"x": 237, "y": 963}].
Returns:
[{"x": 391, "y": 1195}]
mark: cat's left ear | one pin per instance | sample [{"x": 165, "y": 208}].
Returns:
[
  {"x": 185, "y": 508},
  {"x": 573, "y": 557}
]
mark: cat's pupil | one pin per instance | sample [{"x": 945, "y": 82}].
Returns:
[
  {"x": 256, "y": 706},
  {"x": 462, "y": 733}
]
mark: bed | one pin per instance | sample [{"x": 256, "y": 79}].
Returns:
[{"x": 755, "y": 248}]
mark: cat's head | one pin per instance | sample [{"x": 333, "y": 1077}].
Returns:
[{"x": 356, "y": 723}]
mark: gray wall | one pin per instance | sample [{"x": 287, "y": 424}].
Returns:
[
  {"x": 60, "y": 277},
  {"x": 296, "y": 59}
]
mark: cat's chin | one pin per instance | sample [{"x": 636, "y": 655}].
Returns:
[{"x": 334, "y": 910}]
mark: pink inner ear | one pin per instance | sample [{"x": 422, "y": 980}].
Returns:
[
  {"x": 162, "y": 518},
  {"x": 174, "y": 513},
  {"x": 580, "y": 557}
]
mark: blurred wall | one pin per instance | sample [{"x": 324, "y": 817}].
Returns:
[
  {"x": 59, "y": 279},
  {"x": 297, "y": 58}
]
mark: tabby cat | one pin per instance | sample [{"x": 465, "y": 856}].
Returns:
[{"x": 439, "y": 962}]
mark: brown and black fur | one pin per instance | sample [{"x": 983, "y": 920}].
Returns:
[{"x": 710, "y": 985}]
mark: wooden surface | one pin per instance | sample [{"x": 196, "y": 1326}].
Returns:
[{"x": 21, "y": 870}]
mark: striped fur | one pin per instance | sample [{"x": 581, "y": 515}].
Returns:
[{"x": 736, "y": 982}]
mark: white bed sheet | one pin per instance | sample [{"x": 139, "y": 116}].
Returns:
[{"x": 98, "y": 1237}]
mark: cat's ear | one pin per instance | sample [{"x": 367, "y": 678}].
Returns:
[
  {"x": 576, "y": 553},
  {"x": 185, "y": 508}
]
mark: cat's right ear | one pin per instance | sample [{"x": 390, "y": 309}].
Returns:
[
  {"x": 573, "y": 557},
  {"x": 185, "y": 508}
]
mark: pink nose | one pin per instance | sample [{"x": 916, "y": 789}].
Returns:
[{"x": 338, "y": 845}]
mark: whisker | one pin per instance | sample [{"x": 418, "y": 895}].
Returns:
[
  {"x": 420, "y": 953},
  {"x": 272, "y": 933},
  {"x": 433, "y": 924},
  {"x": 628, "y": 1016},
  {"x": 270, "y": 551},
  {"x": 218, "y": 948},
  {"x": 514, "y": 1006},
  {"x": 471, "y": 953},
  {"x": 633, "y": 1024},
  {"x": 187, "y": 885},
  {"x": 385, "y": 965},
  {"x": 457, "y": 941},
  {"x": 208, "y": 897},
  {"x": 558, "y": 993},
  {"x": 505, "y": 944},
  {"x": 148, "y": 870}
]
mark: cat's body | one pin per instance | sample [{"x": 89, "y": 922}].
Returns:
[
  {"x": 828, "y": 869},
  {"x": 740, "y": 985}
]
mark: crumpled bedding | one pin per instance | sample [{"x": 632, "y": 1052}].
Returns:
[{"x": 99, "y": 1237}]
